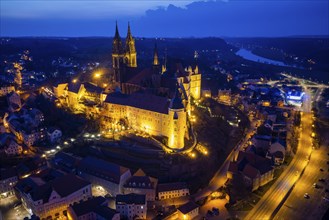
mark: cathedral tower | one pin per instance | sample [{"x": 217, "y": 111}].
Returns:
[
  {"x": 130, "y": 50},
  {"x": 155, "y": 56},
  {"x": 177, "y": 123},
  {"x": 117, "y": 55},
  {"x": 156, "y": 64}
]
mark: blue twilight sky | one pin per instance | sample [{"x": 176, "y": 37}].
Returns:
[{"x": 164, "y": 18}]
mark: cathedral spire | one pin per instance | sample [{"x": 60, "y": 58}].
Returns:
[
  {"x": 117, "y": 44},
  {"x": 130, "y": 50},
  {"x": 129, "y": 36},
  {"x": 117, "y": 35},
  {"x": 155, "y": 56}
]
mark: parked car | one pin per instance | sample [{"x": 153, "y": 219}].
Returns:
[
  {"x": 306, "y": 196},
  {"x": 322, "y": 180},
  {"x": 210, "y": 213},
  {"x": 215, "y": 210}
]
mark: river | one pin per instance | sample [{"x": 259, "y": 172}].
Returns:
[{"x": 248, "y": 55}]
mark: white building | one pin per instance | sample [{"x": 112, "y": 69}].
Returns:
[
  {"x": 132, "y": 206},
  {"x": 9, "y": 145},
  {"x": 12, "y": 148},
  {"x": 8, "y": 179},
  {"x": 188, "y": 211},
  {"x": 49, "y": 193},
  {"x": 54, "y": 135},
  {"x": 172, "y": 190},
  {"x": 140, "y": 183}
]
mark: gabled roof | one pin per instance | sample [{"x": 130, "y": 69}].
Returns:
[
  {"x": 176, "y": 102},
  {"x": 97, "y": 205},
  {"x": 102, "y": 169},
  {"x": 64, "y": 185},
  {"x": 279, "y": 141},
  {"x": 263, "y": 165},
  {"x": 65, "y": 159},
  {"x": 74, "y": 87},
  {"x": 138, "y": 78},
  {"x": 85, "y": 207},
  {"x": 141, "y": 182},
  {"x": 131, "y": 198},
  {"x": 140, "y": 100},
  {"x": 164, "y": 187},
  {"x": 6, "y": 138},
  {"x": 188, "y": 207},
  {"x": 278, "y": 154},
  {"x": 93, "y": 88},
  {"x": 7, "y": 173},
  {"x": 250, "y": 171},
  {"x": 30, "y": 164},
  {"x": 262, "y": 137}
]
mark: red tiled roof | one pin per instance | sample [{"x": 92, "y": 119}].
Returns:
[
  {"x": 250, "y": 171},
  {"x": 137, "y": 79},
  {"x": 140, "y": 100}
]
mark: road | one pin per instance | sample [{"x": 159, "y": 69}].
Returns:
[
  {"x": 296, "y": 206},
  {"x": 275, "y": 195}
]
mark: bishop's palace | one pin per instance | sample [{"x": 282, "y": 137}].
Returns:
[{"x": 155, "y": 100}]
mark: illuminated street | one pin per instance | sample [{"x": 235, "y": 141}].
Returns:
[
  {"x": 12, "y": 209},
  {"x": 271, "y": 200},
  {"x": 296, "y": 206}
]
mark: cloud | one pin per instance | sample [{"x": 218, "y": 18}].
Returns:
[
  {"x": 74, "y": 9},
  {"x": 238, "y": 18},
  {"x": 167, "y": 18}
]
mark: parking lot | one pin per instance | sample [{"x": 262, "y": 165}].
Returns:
[{"x": 217, "y": 204}]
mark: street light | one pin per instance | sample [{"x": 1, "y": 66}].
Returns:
[{"x": 97, "y": 74}]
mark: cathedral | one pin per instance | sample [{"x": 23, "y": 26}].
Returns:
[{"x": 155, "y": 100}]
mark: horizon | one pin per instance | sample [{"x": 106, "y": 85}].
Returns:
[{"x": 187, "y": 37}]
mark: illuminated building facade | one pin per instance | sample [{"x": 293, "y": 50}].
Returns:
[
  {"x": 131, "y": 206},
  {"x": 149, "y": 113},
  {"x": 154, "y": 100},
  {"x": 172, "y": 190},
  {"x": 8, "y": 179},
  {"x": 188, "y": 211}
]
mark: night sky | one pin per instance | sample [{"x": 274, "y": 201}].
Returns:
[{"x": 166, "y": 18}]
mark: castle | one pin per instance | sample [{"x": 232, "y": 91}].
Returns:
[{"x": 155, "y": 100}]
